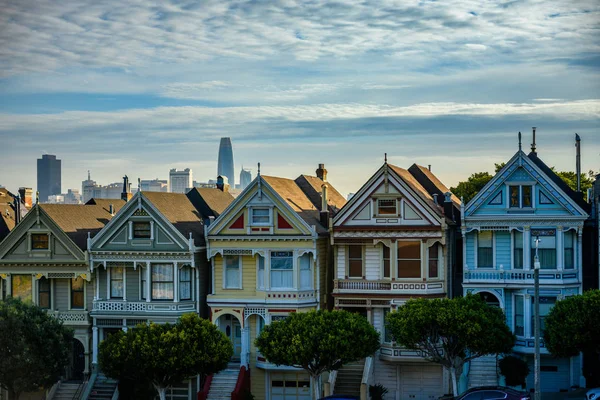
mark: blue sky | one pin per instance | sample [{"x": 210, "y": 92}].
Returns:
[{"x": 138, "y": 87}]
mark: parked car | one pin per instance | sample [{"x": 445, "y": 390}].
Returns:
[
  {"x": 593, "y": 394},
  {"x": 492, "y": 393}
]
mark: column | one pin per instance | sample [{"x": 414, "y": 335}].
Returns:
[
  {"x": 245, "y": 356},
  {"x": 464, "y": 250},
  {"x": 175, "y": 283},
  {"x": 526, "y": 248},
  {"x": 97, "y": 285},
  {"x": 124, "y": 282},
  {"x": 394, "y": 260},
  {"x": 148, "y": 281},
  {"x": 107, "y": 270},
  {"x": 94, "y": 346},
  {"x": 560, "y": 248}
]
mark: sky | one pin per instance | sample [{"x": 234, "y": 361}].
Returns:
[{"x": 139, "y": 87}]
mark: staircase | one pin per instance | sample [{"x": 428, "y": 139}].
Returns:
[
  {"x": 103, "y": 388},
  {"x": 224, "y": 382},
  {"x": 349, "y": 378},
  {"x": 66, "y": 391},
  {"x": 483, "y": 371}
]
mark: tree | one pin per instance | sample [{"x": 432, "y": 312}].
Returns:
[
  {"x": 515, "y": 370},
  {"x": 572, "y": 327},
  {"x": 34, "y": 347},
  {"x": 318, "y": 341},
  {"x": 166, "y": 354},
  {"x": 468, "y": 189},
  {"x": 570, "y": 178},
  {"x": 451, "y": 332}
]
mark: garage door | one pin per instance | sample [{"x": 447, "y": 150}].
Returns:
[
  {"x": 420, "y": 382},
  {"x": 290, "y": 386}
]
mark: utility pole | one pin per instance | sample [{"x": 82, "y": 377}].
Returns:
[{"x": 536, "y": 281}]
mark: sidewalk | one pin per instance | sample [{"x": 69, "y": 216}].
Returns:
[{"x": 578, "y": 394}]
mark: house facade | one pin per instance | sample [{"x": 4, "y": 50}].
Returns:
[
  {"x": 526, "y": 209},
  {"x": 149, "y": 265},
  {"x": 44, "y": 260},
  {"x": 393, "y": 241},
  {"x": 269, "y": 254}
]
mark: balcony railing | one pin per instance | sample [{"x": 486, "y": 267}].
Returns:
[
  {"x": 520, "y": 276},
  {"x": 112, "y": 306},
  {"x": 74, "y": 317},
  {"x": 390, "y": 287},
  {"x": 393, "y": 352},
  {"x": 298, "y": 295}
]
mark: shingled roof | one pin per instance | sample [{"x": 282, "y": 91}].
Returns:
[
  {"x": 312, "y": 188},
  {"x": 76, "y": 220},
  {"x": 216, "y": 200},
  {"x": 7, "y": 220},
  {"x": 431, "y": 183},
  {"x": 414, "y": 184}
]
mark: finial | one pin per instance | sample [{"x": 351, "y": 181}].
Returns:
[
  {"x": 519, "y": 141},
  {"x": 258, "y": 169},
  {"x": 533, "y": 144},
  {"x": 139, "y": 185},
  {"x": 37, "y": 197},
  {"x": 385, "y": 157},
  {"x": 89, "y": 178}
]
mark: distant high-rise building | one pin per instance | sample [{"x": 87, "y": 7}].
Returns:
[
  {"x": 154, "y": 185},
  {"x": 180, "y": 181},
  {"x": 48, "y": 176},
  {"x": 225, "y": 164},
  {"x": 245, "y": 178},
  {"x": 89, "y": 189}
]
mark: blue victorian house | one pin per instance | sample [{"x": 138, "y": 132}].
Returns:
[{"x": 523, "y": 202}]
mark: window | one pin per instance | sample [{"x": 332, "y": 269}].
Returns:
[
  {"x": 21, "y": 287},
  {"x": 518, "y": 249},
  {"x": 232, "y": 272},
  {"x": 386, "y": 262},
  {"x": 485, "y": 250},
  {"x": 116, "y": 282},
  {"x": 519, "y": 316},
  {"x": 162, "y": 281},
  {"x": 569, "y": 255},
  {"x": 387, "y": 207},
  {"x": 141, "y": 230},
  {"x": 305, "y": 272},
  {"x": 520, "y": 196},
  {"x": 434, "y": 260},
  {"x": 144, "y": 280},
  {"x": 77, "y": 294},
  {"x": 409, "y": 259},
  {"x": 39, "y": 241},
  {"x": 44, "y": 293},
  {"x": 546, "y": 304},
  {"x": 260, "y": 278},
  {"x": 260, "y": 216},
  {"x": 546, "y": 248},
  {"x": 185, "y": 283},
  {"x": 260, "y": 325},
  {"x": 282, "y": 269},
  {"x": 387, "y": 335},
  {"x": 355, "y": 261}
]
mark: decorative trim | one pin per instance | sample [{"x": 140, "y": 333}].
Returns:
[{"x": 386, "y": 234}]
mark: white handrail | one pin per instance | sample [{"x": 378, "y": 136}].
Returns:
[
  {"x": 332, "y": 378},
  {"x": 367, "y": 370}
]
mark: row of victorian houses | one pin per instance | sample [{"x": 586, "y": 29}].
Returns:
[{"x": 293, "y": 245}]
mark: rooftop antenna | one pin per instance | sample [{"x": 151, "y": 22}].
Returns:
[
  {"x": 259, "y": 185},
  {"x": 385, "y": 157},
  {"x": 578, "y": 162},
  {"x": 533, "y": 144},
  {"x": 519, "y": 141},
  {"x": 139, "y": 185},
  {"x": 89, "y": 178}
]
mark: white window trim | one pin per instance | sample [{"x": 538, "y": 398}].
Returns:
[
  {"x": 311, "y": 263},
  {"x": 108, "y": 284},
  {"x": 423, "y": 254},
  {"x": 363, "y": 248},
  {"x": 36, "y": 291},
  {"x": 258, "y": 256},
  {"x": 440, "y": 259},
  {"x": 381, "y": 262},
  {"x": 520, "y": 184},
  {"x": 295, "y": 270},
  {"x": 71, "y": 296},
  {"x": 476, "y": 261},
  {"x": 395, "y": 199},
  {"x": 142, "y": 270},
  {"x": 225, "y": 274},
  {"x": 251, "y": 214},
  {"x": 192, "y": 288}
]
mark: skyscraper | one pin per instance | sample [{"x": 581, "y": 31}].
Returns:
[
  {"x": 180, "y": 181},
  {"x": 245, "y": 178},
  {"x": 48, "y": 176},
  {"x": 225, "y": 165}
]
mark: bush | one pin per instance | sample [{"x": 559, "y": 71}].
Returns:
[
  {"x": 377, "y": 392},
  {"x": 514, "y": 370}
]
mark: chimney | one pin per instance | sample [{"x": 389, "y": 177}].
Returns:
[
  {"x": 324, "y": 214},
  {"x": 322, "y": 172},
  {"x": 533, "y": 144},
  {"x": 578, "y": 162},
  {"x": 448, "y": 208},
  {"x": 126, "y": 194},
  {"x": 223, "y": 183},
  {"x": 17, "y": 206},
  {"x": 26, "y": 196},
  {"x": 429, "y": 167},
  {"x": 111, "y": 209},
  {"x": 435, "y": 198}
]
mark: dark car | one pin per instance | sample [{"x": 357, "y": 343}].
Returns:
[{"x": 492, "y": 393}]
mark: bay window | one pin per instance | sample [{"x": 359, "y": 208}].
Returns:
[
  {"x": 355, "y": 261},
  {"x": 518, "y": 250},
  {"x": 546, "y": 248},
  {"x": 260, "y": 277},
  {"x": 305, "y": 271},
  {"x": 282, "y": 269},
  {"x": 409, "y": 259},
  {"x": 485, "y": 250},
  {"x": 77, "y": 294},
  {"x": 232, "y": 272},
  {"x": 185, "y": 283},
  {"x": 434, "y": 260},
  {"x": 162, "y": 281},
  {"x": 569, "y": 254},
  {"x": 546, "y": 304},
  {"x": 519, "y": 316},
  {"x": 44, "y": 299},
  {"x": 116, "y": 282},
  {"x": 21, "y": 287}
]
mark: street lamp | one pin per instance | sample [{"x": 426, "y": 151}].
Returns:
[{"x": 536, "y": 281}]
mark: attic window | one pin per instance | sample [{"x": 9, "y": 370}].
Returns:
[
  {"x": 520, "y": 196},
  {"x": 141, "y": 230},
  {"x": 39, "y": 241},
  {"x": 387, "y": 207},
  {"x": 260, "y": 216}
]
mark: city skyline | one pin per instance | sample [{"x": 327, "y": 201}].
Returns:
[{"x": 295, "y": 84}]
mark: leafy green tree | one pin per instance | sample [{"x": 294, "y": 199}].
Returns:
[
  {"x": 451, "y": 332},
  {"x": 468, "y": 189},
  {"x": 572, "y": 326},
  {"x": 34, "y": 349},
  {"x": 570, "y": 178},
  {"x": 166, "y": 354},
  {"x": 318, "y": 341},
  {"x": 515, "y": 370}
]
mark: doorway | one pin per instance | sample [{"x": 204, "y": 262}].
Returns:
[{"x": 230, "y": 325}]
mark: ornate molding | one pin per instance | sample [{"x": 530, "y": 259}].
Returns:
[
  {"x": 506, "y": 224},
  {"x": 387, "y": 234}
]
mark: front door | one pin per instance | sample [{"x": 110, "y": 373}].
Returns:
[
  {"x": 78, "y": 361},
  {"x": 233, "y": 330}
]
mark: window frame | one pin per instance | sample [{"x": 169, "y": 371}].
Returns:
[
  {"x": 260, "y": 272},
  {"x": 522, "y": 315},
  {"x": 514, "y": 234},
  {"x": 545, "y": 234},
  {"x": 135, "y": 235},
  {"x": 39, "y": 234},
  {"x": 226, "y": 284},
  {"x": 492, "y": 248},
  {"x": 172, "y": 281},
  {"x": 12, "y": 286},
  {"x": 573, "y": 259},
  {"x": 387, "y": 214},
  {"x": 438, "y": 260},
  {"x": 40, "y": 291},
  {"x": 349, "y": 259},
  {"x": 111, "y": 271},
  {"x": 383, "y": 261},
  {"x": 310, "y": 271},
  {"x": 71, "y": 292},
  {"x": 420, "y": 259},
  {"x": 542, "y": 316},
  {"x": 189, "y": 282},
  {"x": 143, "y": 294},
  {"x": 520, "y": 195},
  {"x": 269, "y": 215},
  {"x": 293, "y": 270}
]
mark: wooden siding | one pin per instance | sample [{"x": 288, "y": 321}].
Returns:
[
  {"x": 470, "y": 242},
  {"x": 340, "y": 263},
  {"x": 258, "y": 375},
  {"x": 133, "y": 283},
  {"x": 326, "y": 283},
  {"x": 503, "y": 253},
  {"x": 386, "y": 374},
  {"x": 372, "y": 260},
  {"x": 248, "y": 279}
]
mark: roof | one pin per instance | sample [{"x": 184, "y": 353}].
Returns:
[
  {"x": 297, "y": 200},
  {"x": 311, "y": 186},
  {"x": 576, "y": 197},
  {"x": 420, "y": 172},
  {"x": 216, "y": 199},
  {"x": 180, "y": 212},
  {"x": 414, "y": 184},
  {"x": 76, "y": 220},
  {"x": 7, "y": 221}
]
